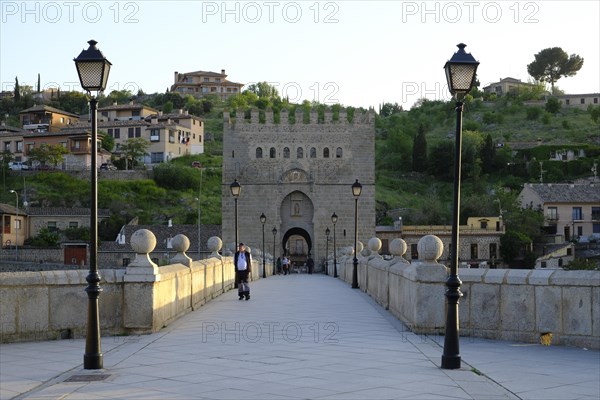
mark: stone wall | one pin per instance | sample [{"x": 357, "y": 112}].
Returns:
[
  {"x": 518, "y": 305},
  {"x": 312, "y": 163}
]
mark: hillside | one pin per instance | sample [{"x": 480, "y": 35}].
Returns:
[{"x": 420, "y": 194}]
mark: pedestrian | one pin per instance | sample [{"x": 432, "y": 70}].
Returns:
[
  {"x": 286, "y": 265},
  {"x": 279, "y": 266},
  {"x": 242, "y": 261},
  {"x": 310, "y": 263}
]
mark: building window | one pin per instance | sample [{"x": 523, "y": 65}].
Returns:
[
  {"x": 300, "y": 152},
  {"x": 582, "y": 101},
  {"x": 130, "y": 132},
  {"x": 155, "y": 135},
  {"x": 595, "y": 100},
  {"x": 19, "y": 147},
  {"x": 595, "y": 212},
  {"x": 579, "y": 230},
  {"x": 6, "y": 146},
  {"x": 259, "y": 152},
  {"x": 567, "y": 101},
  {"x": 493, "y": 251},
  {"x": 543, "y": 264},
  {"x": 138, "y": 132},
  {"x": 552, "y": 213},
  {"x": 171, "y": 137},
  {"x": 206, "y": 80},
  {"x": 286, "y": 152},
  {"x": 474, "y": 252},
  {"x": 325, "y": 152},
  {"x": 414, "y": 253},
  {"x": 52, "y": 227},
  {"x": 569, "y": 251},
  {"x": 272, "y": 152},
  {"x": 338, "y": 152},
  {"x": 157, "y": 157},
  {"x": 117, "y": 133},
  {"x": 135, "y": 113},
  {"x": 73, "y": 224},
  {"x": 577, "y": 214},
  {"x": 560, "y": 262},
  {"x": 313, "y": 152},
  {"x": 483, "y": 224}
]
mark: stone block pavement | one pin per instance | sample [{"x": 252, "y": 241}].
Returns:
[{"x": 299, "y": 337}]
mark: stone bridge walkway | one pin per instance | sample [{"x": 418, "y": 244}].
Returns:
[{"x": 299, "y": 337}]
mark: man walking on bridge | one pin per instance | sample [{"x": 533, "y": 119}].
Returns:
[{"x": 242, "y": 262}]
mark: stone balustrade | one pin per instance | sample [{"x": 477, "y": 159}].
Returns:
[{"x": 520, "y": 305}]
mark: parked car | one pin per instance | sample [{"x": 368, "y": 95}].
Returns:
[
  {"x": 108, "y": 167},
  {"x": 17, "y": 166}
]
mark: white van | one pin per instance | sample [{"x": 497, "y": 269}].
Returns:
[{"x": 17, "y": 166}]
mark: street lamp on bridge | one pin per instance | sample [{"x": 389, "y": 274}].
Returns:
[
  {"x": 263, "y": 219},
  {"x": 334, "y": 219},
  {"x": 327, "y": 232},
  {"x": 356, "y": 191},
  {"x": 93, "y": 69},
  {"x": 460, "y": 72}
]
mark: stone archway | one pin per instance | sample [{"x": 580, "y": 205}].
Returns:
[{"x": 297, "y": 213}]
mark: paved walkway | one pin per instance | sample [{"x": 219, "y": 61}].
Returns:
[{"x": 299, "y": 337}]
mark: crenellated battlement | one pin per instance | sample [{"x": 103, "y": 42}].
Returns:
[{"x": 299, "y": 117}]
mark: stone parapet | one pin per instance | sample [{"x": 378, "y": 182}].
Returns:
[{"x": 521, "y": 305}]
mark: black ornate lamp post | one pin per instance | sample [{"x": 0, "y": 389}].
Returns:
[
  {"x": 274, "y": 231},
  {"x": 235, "y": 192},
  {"x": 263, "y": 219},
  {"x": 327, "y": 232},
  {"x": 356, "y": 190},
  {"x": 334, "y": 219},
  {"x": 93, "y": 69},
  {"x": 460, "y": 73}
]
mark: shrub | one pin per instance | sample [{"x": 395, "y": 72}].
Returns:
[{"x": 533, "y": 113}]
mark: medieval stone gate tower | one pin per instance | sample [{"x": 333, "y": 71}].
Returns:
[{"x": 298, "y": 174}]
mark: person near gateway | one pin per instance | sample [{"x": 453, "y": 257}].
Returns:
[{"x": 242, "y": 262}]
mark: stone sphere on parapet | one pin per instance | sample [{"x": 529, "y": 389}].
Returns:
[
  {"x": 143, "y": 241},
  {"x": 214, "y": 243},
  {"x": 360, "y": 246},
  {"x": 256, "y": 253},
  {"x": 398, "y": 247},
  {"x": 374, "y": 244},
  {"x": 181, "y": 243},
  {"x": 430, "y": 248}
]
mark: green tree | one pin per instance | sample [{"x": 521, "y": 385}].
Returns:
[
  {"x": 108, "y": 142},
  {"x": 552, "y": 105},
  {"x": 388, "y": 109},
  {"x": 553, "y": 63},
  {"x": 17, "y": 89},
  {"x": 419, "y": 153},
  {"x": 48, "y": 154},
  {"x": 133, "y": 149},
  {"x": 488, "y": 155},
  {"x": 263, "y": 90}
]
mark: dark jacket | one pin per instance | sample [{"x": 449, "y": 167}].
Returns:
[{"x": 248, "y": 260}]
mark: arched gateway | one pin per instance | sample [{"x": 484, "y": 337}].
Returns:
[{"x": 298, "y": 172}]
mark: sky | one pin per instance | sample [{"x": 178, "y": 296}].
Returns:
[{"x": 356, "y": 53}]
